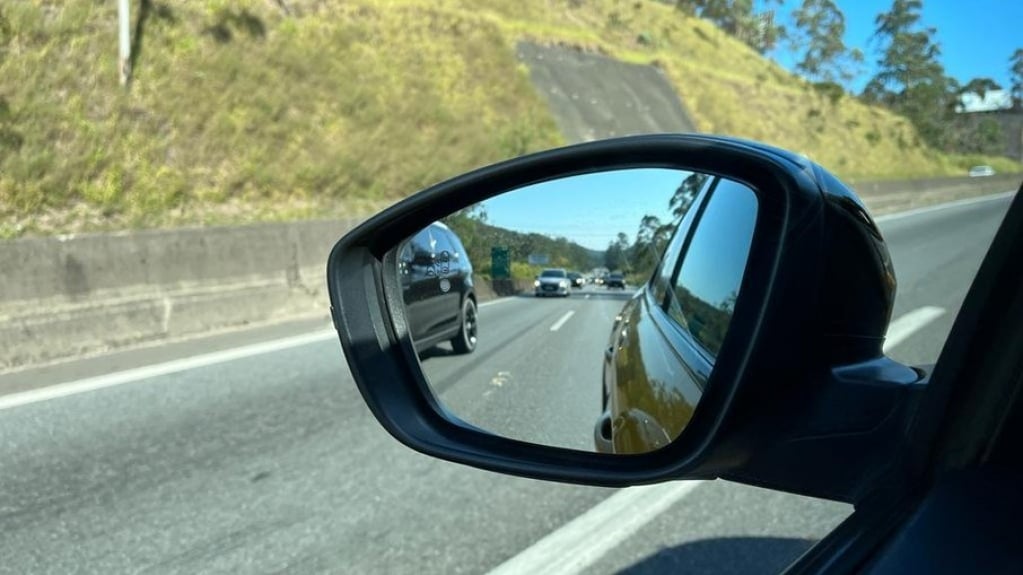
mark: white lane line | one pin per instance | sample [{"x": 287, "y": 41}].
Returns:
[
  {"x": 495, "y": 301},
  {"x": 158, "y": 369},
  {"x": 900, "y": 329},
  {"x": 582, "y": 541},
  {"x": 944, "y": 206},
  {"x": 561, "y": 321},
  {"x": 173, "y": 366}
]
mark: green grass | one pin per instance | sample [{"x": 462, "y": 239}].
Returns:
[
  {"x": 241, "y": 113},
  {"x": 288, "y": 118}
]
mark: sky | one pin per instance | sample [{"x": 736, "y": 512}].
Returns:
[
  {"x": 976, "y": 36},
  {"x": 589, "y": 209}
]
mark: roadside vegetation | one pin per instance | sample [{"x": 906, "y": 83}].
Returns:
[{"x": 254, "y": 110}]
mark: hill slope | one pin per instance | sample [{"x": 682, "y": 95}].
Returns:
[{"x": 274, "y": 109}]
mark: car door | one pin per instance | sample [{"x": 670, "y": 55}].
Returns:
[
  {"x": 419, "y": 283},
  {"x": 654, "y": 373},
  {"x": 461, "y": 266},
  {"x": 447, "y": 281}
]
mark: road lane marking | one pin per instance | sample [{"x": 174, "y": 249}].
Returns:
[
  {"x": 561, "y": 321},
  {"x": 900, "y": 329},
  {"x": 944, "y": 206},
  {"x": 158, "y": 369},
  {"x": 495, "y": 301},
  {"x": 582, "y": 541}
]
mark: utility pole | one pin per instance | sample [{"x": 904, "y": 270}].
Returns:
[{"x": 124, "y": 28}]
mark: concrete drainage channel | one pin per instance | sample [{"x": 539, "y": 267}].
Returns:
[{"x": 62, "y": 297}]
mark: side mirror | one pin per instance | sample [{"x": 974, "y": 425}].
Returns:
[{"x": 754, "y": 349}]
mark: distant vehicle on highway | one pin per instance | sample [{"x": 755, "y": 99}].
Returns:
[
  {"x": 577, "y": 279},
  {"x": 981, "y": 171},
  {"x": 616, "y": 281},
  {"x": 553, "y": 281},
  {"x": 436, "y": 283}
]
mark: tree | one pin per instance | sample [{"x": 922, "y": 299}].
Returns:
[
  {"x": 686, "y": 193},
  {"x": 820, "y": 27},
  {"x": 739, "y": 18},
  {"x": 616, "y": 257},
  {"x": 910, "y": 79},
  {"x": 651, "y": 239},
  {"x": 1016, "y": 75},
  {"x": 980, "y": 87}
]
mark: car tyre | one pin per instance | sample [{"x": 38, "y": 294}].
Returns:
[{"x": 465, "y": 341}]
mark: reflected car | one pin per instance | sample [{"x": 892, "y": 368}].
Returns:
[
  {"x": 981, "y": 171},
  {"x": 616, "y": 281},
  {"x": 437, "y": 286},
  {"x": 552, "y": 282},
  {"x": 664, "y": 340},
  {"x": 577, "y": 279}
]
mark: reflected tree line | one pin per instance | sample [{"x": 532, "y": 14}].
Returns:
[
  {"x": 706, "y": 321},
  {"x": 638, "y": 259},
  {"x": 479, "y": 237}
]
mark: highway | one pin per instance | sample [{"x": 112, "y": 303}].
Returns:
[{"x": 253, "y": 452}]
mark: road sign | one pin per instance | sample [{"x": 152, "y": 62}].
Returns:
[
  {"x": 538, "y": 259},
  {"x": 500, "y": 266}
]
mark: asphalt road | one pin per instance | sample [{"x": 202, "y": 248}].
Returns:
[
  {"x": 536, "y": 373},
  {"x": 269, "y": 462}
]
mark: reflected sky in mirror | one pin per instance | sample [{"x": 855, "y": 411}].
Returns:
[{"x": 589, "y": 209}]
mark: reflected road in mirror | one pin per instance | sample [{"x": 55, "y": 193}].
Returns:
[
  {"x": 537, "y": 371},
  {"x": 583, "y": 312}
]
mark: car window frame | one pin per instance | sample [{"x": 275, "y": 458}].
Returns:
[
  {"x": 679, "y": 240},
  {"x": 693, "y": 354},
  {"x": 680, "y": 262}
]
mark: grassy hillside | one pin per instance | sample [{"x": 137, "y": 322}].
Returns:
[{"x": 248, "y": 110}]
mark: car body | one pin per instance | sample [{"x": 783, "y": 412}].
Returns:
[
  {"x": 803, "y": 397},
  {"x": 981, "y": 171},
  {"x": 437, "y": 288},
  {"x": 665, "y": 336},
  {"x": 615, "y": 281},
  {"x": 552, "y": 282},
  {"x": 577, "y": 279}
]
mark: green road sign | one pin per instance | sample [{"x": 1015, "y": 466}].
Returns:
[{"x": 500, "y": 263}]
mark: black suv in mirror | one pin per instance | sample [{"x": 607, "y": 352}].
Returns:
[{"x": 437, "y": 288}]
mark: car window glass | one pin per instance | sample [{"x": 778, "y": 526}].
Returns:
[
  {"x": 704, "y": 294},
  {"x": 458, "y": 253},
  {"x": 405, "y": 255},
  {"x": 422, "y": 247},
  {"x": 689, "y": 196},
  {"x": 441, "y": 242}
]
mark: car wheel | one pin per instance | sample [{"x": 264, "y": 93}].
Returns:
[{"x": 465, "y": 341}]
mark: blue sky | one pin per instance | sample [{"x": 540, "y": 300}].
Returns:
[
  {"x": 976, "y": 36},
  {"x": 589, "y": 209}
]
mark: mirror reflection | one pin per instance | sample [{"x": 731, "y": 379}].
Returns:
[{"x": 584, "y": 312}]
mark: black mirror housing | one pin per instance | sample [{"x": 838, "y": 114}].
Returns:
[{"x": 799, "y": 375}]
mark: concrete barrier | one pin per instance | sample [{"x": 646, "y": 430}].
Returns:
[
  {"x": 895, "y": 196},
  {"x": 67, "y": 296}
]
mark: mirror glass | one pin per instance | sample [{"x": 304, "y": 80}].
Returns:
[{"x": 583, "y": 312}]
